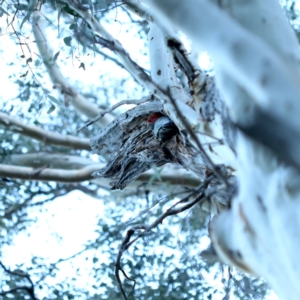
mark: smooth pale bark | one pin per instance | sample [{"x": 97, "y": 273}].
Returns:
[
  {"x": 163, "y": 74},
  {"x": 42, "y": 135},
  {"x": 251, "y": 62},
  {"x": 52, "y": 160},
  {"x": 168, "y": 177},
  {"x": 257, "y": 69},
  {"x": 45, "y": 174},
  {"x": 196, "y": 78},
  {"x": 271, "y": 25}
]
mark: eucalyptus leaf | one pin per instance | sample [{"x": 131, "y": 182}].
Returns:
[
  {"x": 30, "y": 8},
  {"x": 24, "y": 75},
  {"x": 56, "y": 56},
  {"x": 2, "y": 10},
  {"x": 21, "y": 6},
  {"x": 67, "y": 40},
  {"x": 82, "y": 65},
  {"x": 53, "y": 99},
  {"x": 51, "y": 109}
]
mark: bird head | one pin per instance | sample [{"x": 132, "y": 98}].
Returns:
[{"x": 154, "y": 117}]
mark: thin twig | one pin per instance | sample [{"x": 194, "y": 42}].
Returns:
[
  {"x": 211, "y": 136},
  {"x": 28, "y": 289},
  {"x": 109, "y": 110},
  {"x": 118, "y": 267},
  {"x": 194, "y": 136},
  {"x": 163, "y": 200},
  {"x": 82, "y": 36},
  {"x": 53, "y": 265},
  {"x": 114, "y": 45},
  {"x": 200, "y": 196}
]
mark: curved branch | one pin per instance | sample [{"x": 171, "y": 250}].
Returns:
[
  {"x": 194, "y": 197},
  {"x": 70, "y": 176},
  {"x": 42, "y": 135},
  {"x": 107, "y": 40},
  {"x": 53, "y": 160},
  {"x": 123, "y": 102},
  {"x": 58, "y": 175},
  {"x": 80, "y": 103},
  {"x": 104, "y": 38}
]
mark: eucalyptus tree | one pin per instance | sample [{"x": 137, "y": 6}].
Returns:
[{"x": 231, "y": 161}]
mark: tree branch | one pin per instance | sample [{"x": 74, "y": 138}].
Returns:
[
  {"x": 83, "y": 34},
  {"x": 123, "y": 102},
  {"x": 53, "y": 160},
  {"x": 104, "y": 38},
  {"x": 251, "y": 62},
  {"x": 28, "y": 289},
  {"x": 58, "y": 175},
  {"x": 110, "y": 42},
  {"x": 42, "y": 135},
  {"x": 81, "y": 104},
  {"x": 195, "y": 196},
  {"x": 164, "y": 78},
  {"x": 70, "y": 176}
]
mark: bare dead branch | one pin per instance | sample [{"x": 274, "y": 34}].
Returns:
[
  {"x": 124, "y": 102},
  {"x": 162, "y": 201},
  {"x": 132, "y": 148},
  {"x": 118, "y": 267},
  {"x": 42, "y": 135}
]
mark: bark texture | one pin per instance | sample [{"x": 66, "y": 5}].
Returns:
[
  {"x": 256, "y": 59},
  {"x": 131, "y": 147}
]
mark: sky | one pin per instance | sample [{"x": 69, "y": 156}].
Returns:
[{"x": 67, "y": 222}]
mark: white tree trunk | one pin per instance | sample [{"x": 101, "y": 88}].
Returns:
[{"x": 256, "y": 57}]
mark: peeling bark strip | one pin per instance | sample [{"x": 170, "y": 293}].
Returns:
[{"x": 132, "y": 148}]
